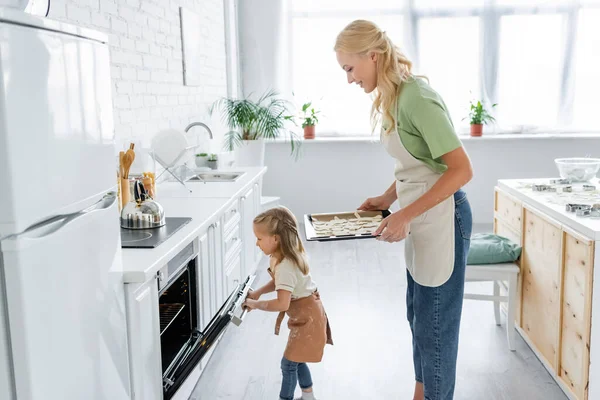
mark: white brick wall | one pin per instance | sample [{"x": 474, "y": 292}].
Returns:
[{"x": 146, "y": 55}]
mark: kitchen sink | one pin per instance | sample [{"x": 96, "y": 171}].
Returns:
[{"x": 216, "y": 177}]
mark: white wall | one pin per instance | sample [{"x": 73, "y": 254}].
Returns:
[
  {"x": 338, "y": 176},
  {"x": 146, "y": 55}
]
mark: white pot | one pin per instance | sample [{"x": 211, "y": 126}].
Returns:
[
  {"x": 201, "y": 161},
  {"x": 251, "y": 153}
]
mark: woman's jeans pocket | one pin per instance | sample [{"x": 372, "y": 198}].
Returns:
[{"x": 463, "y": 214}]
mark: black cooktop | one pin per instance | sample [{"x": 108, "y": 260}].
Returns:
[{"x": 150, "y": 238}]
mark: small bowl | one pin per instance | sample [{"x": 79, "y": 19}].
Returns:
[{"x": 578, "y": 169}]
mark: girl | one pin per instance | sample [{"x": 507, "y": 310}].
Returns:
[
  {"x": 277, "y": 236},
  {"x": 431, "y": 168}
]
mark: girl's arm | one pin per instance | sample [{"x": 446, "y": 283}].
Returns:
[
  {"x": 281, "y": 303},
  {"x": 266, "y": 288}
]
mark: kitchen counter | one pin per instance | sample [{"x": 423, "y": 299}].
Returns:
[
  {"x": 558, "y": 299},
  {"x": 553, "y": 203},
  {"x": 203, "y": 205}
]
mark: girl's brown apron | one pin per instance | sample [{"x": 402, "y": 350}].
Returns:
[{"x": 309, "y": 328}]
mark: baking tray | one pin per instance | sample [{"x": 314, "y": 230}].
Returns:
[{"x": 311, "y": 234}]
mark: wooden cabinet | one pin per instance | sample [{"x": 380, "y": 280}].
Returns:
[
  {"x": 508, "y": 208},
  {"x": 576, "y": 313},
  {"x": 556, "y": 289},
  {"x": 541, "y": 269}
]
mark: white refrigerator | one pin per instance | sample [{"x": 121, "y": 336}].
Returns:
[{"x": 62, "y": 308}]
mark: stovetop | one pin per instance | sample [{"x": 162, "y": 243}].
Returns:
[{"x": 151, "y": 238}]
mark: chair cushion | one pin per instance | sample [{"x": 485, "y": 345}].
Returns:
[{"x": 487, "y": 248}]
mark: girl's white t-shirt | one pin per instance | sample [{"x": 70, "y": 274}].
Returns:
[{"x": 289, "y": 277}]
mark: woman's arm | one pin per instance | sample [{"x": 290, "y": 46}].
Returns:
[
  {"x": 458, "y": 174},
  {"x": 281, "y": 303},
  {"x": 396, "y": 226}
]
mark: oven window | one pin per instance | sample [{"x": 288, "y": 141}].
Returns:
[{"x": 178, "y": 315}]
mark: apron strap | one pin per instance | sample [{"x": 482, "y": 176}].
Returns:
[{"x": 278, "y": 322}]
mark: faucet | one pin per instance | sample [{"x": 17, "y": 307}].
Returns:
[
  {"x": 200, "y": 124},
  {"x": 210, "y": 134}
]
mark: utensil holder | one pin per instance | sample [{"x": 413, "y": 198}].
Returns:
[{"x": 125, "y": 192}]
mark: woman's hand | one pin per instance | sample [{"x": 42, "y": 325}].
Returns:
[
  {"x": 382, "y": 202},
  {"x": 253, "y": 295},
  {"x": 394, "y": 228}
]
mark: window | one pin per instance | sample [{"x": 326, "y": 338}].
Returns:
[
  {"x": 317, "y": 77},
  {"x": 529, "y": 70},
  {"x": 587, "y": 82},
  {"x": 453, "y": 70},
  {"x": 537, "y": 59}
]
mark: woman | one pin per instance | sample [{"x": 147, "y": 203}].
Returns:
[{"x": 435, "y": 216}]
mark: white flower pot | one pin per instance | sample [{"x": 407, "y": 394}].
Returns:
[
  {"x": 251, "y": 153},
  {"x": 201, "y": 162}
]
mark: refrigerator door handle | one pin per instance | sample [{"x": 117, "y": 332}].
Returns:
[{"x": 105, "y": 202}]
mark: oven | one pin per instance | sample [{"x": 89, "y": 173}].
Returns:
[{"x": 183, "y": 344}]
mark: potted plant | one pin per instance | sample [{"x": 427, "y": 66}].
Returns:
[
  {"x": 478, "y": 116},
  {"x": 308, "y": 115},
  {"x": 213, "y": 161},
  {"x": 201, "y": 160},
  {"x": 251, "y": 122}
]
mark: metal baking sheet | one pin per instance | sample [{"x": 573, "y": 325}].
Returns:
[{"x": 311, "y": 234}]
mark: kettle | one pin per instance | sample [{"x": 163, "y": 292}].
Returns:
[{"x": 143, "y": 212}]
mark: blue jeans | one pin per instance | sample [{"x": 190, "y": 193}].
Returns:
[
  {"x": 434, "y": 314},
  {"x": 293, "y": 373}
]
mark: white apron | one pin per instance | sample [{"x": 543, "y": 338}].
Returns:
[{"x": 429, "y": 249}]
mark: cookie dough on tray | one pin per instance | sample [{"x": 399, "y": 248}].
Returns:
[{"x": 346, "y": 226}]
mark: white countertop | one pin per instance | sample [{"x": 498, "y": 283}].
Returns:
[
  {"x": 204, "y": 206},
  {"x": 553, "y": 203}
]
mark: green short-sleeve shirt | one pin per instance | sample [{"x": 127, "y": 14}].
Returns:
[{"x": 424, "y": 124}]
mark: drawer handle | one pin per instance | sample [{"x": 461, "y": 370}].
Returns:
[{"x": 233, "y": 211}]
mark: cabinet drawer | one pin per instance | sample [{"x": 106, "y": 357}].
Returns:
[
  {"x": 232, "y": 242},
  {"x": 509, "y": 210},
  {"x": 233, "y": 273},
  {"x": 231, "y": 217}
]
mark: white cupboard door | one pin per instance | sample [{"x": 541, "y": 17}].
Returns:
[
  {"x": 234, "y": 273},
  {"x": 217, "y": 264},
  {"x": 207, "y": 303},
  {"x": 248, "y": 214},
  {"x": 257, "y": 210},
  {"x": 144, "y": 341}
]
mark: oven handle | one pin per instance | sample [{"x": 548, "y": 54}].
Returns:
[{"x": 243, "y": 293}]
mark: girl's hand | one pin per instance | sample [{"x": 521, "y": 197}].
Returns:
[
  {"x": 253, "y": 295},
  {"x": 250, "y": 304},
  {"x": 394, "y": 227}
]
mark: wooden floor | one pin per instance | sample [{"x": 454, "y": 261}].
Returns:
[{"x": 363, "y": 285}]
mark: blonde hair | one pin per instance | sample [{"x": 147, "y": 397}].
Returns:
[
  {"x": 281, "y": 222},
  {"x": 393, "y": 67}
]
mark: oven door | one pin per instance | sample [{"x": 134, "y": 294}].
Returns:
[{"x": 200, "y": 342}]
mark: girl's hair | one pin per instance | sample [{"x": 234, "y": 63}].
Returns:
[
  {"x": 393, "y": 67},
  {"x": 281, "y": 222}
]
